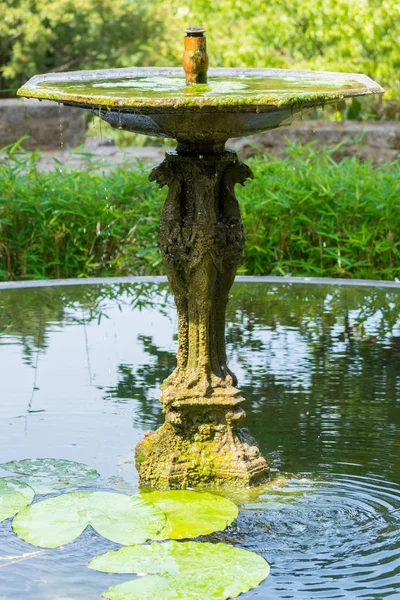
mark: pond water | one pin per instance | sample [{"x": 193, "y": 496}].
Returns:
[{"x": 80, "y": 368}]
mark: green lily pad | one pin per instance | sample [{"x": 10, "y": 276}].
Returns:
[
  {"x": 183, "y": 570},
  {"x": 47, "y": 475},
  {"x": 14, "y": 496},
  {"x": 58, "y": 521},
  {"x": 190, "y": 514},
  {"x": 146, "y": 588}
]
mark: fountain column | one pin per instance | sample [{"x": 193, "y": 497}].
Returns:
[{"x": 201, "y": 240}]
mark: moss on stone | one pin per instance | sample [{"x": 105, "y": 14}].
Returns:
[
  {"x": 173, "y": 459},
  {"x": 145, "y": 92},
  {"x": 201, "y": 240}
]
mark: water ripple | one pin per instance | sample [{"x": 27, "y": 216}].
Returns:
[{"x": 333, "y": 538}]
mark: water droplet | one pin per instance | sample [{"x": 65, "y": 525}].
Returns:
[
  {"x": 60, "y": 125},
  {"x": 101, "y": 129}
]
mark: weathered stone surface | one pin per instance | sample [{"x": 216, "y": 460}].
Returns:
[
  {"x": 204, "y": 450},
  {"x": 201, "y": 240},
  {"x": 47, "y": 124},
  {"x": 376, "y": 141}
]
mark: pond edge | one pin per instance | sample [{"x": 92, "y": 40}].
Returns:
[{"x": 7, "y": 285}]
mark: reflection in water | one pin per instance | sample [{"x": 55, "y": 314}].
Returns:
[
  {"x": 139, "y": 382},
  {"x": 319, "y": 367},
  {"x": 230, "y": 88}
]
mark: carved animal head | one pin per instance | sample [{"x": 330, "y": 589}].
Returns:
[
  {"x": 163, "y": 174},
  {"x": 237, "y": 172},
  {"x": 243, "y": 172}
]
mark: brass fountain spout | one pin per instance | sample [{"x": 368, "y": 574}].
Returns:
[{"x": 195, "y": 58}]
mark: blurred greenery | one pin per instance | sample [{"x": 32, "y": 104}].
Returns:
[
  {"x": 304, "y": 215},
  {"x": 37, "y": 36},
  {"x": 337, "y": 35}
]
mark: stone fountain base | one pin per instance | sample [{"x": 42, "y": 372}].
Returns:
[{"x": 200, "y": 443}]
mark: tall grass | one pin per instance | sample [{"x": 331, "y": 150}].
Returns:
[
  {"x": 309, "y": 215},
  {"x": 304, "y": 215}
]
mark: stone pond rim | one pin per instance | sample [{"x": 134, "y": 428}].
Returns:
[{"x": 201, "y": 235}]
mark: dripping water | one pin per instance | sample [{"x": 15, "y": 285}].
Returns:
[
  {"x": 100, "y": 120},
  {"x": 60, "y": 126}
]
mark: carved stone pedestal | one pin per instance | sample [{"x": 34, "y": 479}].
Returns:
[{"x": 201, "y": 240}]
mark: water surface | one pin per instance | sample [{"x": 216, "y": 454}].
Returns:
[
  {"x": 319, "y": 366},
  {"x": 147, "y": 89},
  {"x": 217, "y": 87}
]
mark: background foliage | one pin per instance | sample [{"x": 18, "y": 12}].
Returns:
[
  {"x": 37, "y": 36},
  {"x": 345, "y": 35},
  {"x": 304, "y": 215}
]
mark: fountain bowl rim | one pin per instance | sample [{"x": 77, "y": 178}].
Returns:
[{"x": 263, "y": 102}]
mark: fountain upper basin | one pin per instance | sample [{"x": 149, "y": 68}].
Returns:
[{"x": 234, "y": 102}]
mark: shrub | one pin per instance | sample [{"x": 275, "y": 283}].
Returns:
[
  {"x": 308, "y": 215},
  {"x": 304, "y": 215}
]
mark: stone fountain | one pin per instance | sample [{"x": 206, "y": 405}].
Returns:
[{"x": 201, "y": 234}]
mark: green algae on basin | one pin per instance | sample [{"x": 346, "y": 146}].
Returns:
[
  {"x": 138, "y": 89},
  {"x": 237, "y": 102}
]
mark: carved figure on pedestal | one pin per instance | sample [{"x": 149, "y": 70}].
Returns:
[{"x": 201, "y": 239}]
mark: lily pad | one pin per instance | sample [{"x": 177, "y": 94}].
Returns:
[
  {"x": 60, "y": 520},
  {"x": 14, "y": 496},
  {"x": 47, "y": 475},
  {"x": 183, "y": 570},
  {"x": 190, "y": 514}
]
